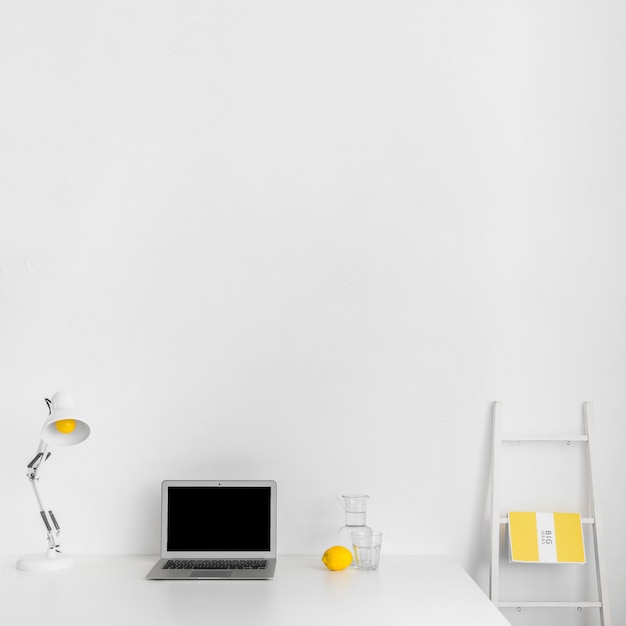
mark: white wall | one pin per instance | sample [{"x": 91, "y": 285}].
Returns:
[{"x": 309, "y": 241}]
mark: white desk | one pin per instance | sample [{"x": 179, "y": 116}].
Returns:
[{"x": 112, "y": 591}]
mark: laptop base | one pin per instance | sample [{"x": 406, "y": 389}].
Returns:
[{"x": 158, "y": 572}]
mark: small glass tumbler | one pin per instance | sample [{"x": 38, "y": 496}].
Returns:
[{"x": 366, "y": 545}]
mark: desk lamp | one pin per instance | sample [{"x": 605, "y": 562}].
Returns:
[{"x": 63, "y": 427}]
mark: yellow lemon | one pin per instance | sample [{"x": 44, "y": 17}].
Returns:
[{"x": 337, "y": 558}]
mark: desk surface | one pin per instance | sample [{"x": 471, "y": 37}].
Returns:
[{"x": 107, "y": 590}]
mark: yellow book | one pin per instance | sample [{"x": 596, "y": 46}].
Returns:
[{"x": 546, "y": 537}]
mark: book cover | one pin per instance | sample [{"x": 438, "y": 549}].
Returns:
[{"x": 546, "y": 537}]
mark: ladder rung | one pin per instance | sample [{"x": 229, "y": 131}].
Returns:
[
  {"x": 584, "y": 520},
  {"x": 549, "y": 605},
  {"x": 582, "y": 438}
]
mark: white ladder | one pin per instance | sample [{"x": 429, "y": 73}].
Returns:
[{"x": 594, "y": 521}]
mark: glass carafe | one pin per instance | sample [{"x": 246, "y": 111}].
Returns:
[{"x": 355, "y": 509}]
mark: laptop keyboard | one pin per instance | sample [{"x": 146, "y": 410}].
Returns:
[{"x": 216, "y": 564}]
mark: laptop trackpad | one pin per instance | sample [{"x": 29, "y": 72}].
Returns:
[{"x": 210, "y": 573}]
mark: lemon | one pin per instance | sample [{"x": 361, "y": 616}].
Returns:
[{"x": 337, "y": 558}]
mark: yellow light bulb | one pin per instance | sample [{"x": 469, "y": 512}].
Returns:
[{"x": 65, "y": 426}]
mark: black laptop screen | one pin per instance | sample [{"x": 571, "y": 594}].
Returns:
[{"x": 218, "y": 519}]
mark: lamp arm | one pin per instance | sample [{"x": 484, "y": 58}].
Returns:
[{"x": 52, "y": 529}]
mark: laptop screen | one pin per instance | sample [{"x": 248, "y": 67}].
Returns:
[{"x": 219, "y": 518}]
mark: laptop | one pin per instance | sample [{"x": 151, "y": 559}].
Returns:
[{"x": 217, "y": 529}]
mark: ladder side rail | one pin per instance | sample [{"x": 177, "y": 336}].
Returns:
[
  {"x": 598, "y": 537},
  {"x": 494, "y": 571}
]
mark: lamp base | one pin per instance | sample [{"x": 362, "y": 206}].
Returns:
[{"x": 44, "y": 563}]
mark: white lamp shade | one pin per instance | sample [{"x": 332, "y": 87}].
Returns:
[{"x": 62, "y": 408}]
